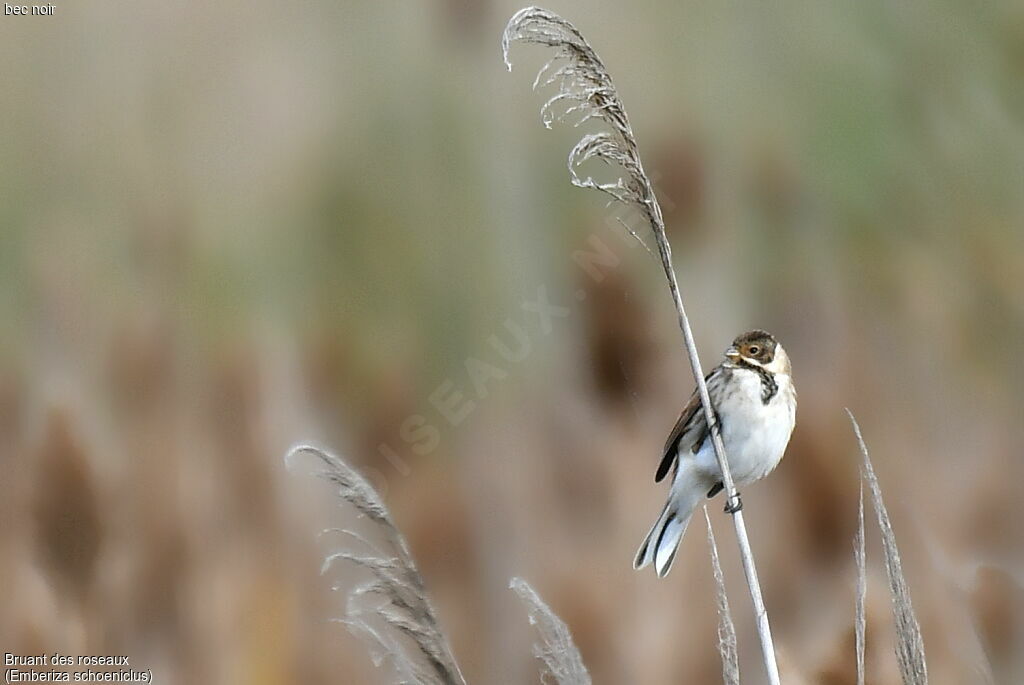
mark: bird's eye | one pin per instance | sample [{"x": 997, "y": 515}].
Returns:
[{"x": 754, "y": 349}]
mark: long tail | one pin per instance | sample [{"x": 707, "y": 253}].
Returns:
[{"x": 662, "y": 541}]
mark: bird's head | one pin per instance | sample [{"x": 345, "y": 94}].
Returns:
[{"x": 759, "y": 348}]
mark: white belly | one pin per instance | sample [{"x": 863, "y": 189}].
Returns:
[{"x": 755, "y": 434}]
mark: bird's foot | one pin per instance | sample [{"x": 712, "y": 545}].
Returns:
[
  {"x": 733, "y": 504},
  {"x": 716, "y": 489}
]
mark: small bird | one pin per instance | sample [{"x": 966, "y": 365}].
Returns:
[{"x": 754, "y": 403}]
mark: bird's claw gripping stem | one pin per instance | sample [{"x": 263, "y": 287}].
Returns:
[{"x": 733, "y": 504}]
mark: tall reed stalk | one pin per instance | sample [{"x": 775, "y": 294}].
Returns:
[
  {"x": 909, "y": 644},
  {"x": 585, "y": 92}
]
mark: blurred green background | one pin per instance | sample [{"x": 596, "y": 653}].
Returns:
[{"x": 226, "y": 228}]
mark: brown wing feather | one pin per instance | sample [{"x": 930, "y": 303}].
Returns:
[{"x": 691, "y": 422}]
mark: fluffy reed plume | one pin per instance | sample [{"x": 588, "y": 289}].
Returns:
[
  {"x": 394, "y": 595},
  {"x": 556, "y": 649},
  {"x": 726, "y": 630},
  {"x": 909, "y": 644},
  {"x": 585, "y": 91},
  {"x": 860, "y": 559}
]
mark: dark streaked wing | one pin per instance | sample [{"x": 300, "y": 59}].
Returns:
[{"x": 691, "y": 430}]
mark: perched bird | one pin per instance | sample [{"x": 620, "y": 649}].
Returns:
[{"x": 754, "y": 402}]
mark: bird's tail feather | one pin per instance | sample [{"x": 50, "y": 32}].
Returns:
[{"x": 662, "y": 541}]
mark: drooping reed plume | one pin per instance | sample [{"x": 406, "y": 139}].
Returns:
[
  {"x": 555, "y": 648},
  {"x": 391, "y": 610}
]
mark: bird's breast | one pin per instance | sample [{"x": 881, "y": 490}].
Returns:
[{"x": 755, "y": 434}]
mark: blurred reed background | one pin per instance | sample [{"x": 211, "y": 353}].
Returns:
[{"x": 229, "y": 227}]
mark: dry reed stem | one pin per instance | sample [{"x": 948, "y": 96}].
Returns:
[
  {"x": 585, "y": 91},
  {"x": 909, "y": 643},
  {"x": 860, "y": 559},
  {"x": 726, "y": 630}
]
